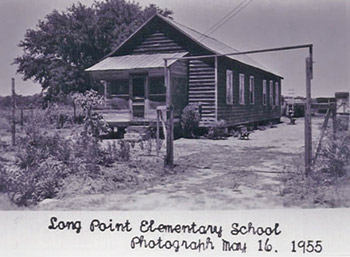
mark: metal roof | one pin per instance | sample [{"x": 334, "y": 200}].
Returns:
[
  {"x": 141, "y": 61},
  {"x": 214, "y": 45},
  {"x": 205, "y": 41}
]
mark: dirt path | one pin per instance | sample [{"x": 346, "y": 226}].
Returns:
[{"x": 223, "y": 174}]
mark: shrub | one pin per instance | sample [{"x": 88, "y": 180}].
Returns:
[
  {"x": 94, "y": 123},
  {"x": 218, "y": 130},
  {"x": 3, "y": 179},
  {"x": 124, "y": 152},
  {"x": 31, "y": 185},
  {"x": 335, "y": 154},
  {"x": 325, "y": 184},
  {"x": 58, "y": 116},
  {"x": 35, "y": 147},
  {"x": 190, "y": 119}
]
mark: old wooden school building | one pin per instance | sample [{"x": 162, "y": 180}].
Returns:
[{"x": 230, "y": 88}]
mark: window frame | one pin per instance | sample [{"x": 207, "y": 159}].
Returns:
[
  {"x": 251, "y": 90},
  {"x": 271, "y": 100},
  {"x": 277, "y": 100},
  {"x": 229, "y": 87},
  {"x": 264, "y": 92},
  {"x": 241, "y": 89}
]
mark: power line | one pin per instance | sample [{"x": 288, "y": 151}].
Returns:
[
  {"x": 231, "y": 16},
  {"x": 223, "y": 18},
  {"x": 227, "y": 17}
]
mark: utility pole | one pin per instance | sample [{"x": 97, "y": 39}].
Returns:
[
  {"x": 308, "y": 127},
  {"x": 13, "y": 125}
]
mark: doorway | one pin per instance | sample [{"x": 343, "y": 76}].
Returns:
[{"x": 138, "y": 84}]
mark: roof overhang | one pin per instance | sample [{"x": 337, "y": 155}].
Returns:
[{"x": 135, "y": 62}]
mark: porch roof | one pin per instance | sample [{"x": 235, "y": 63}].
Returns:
[{"x": 131, "y": 62}]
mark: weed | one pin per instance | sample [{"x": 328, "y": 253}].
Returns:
[
  {"x": 326, "y": 183},
  {"x": 335, "y": 154}
]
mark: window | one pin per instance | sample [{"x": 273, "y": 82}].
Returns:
[
  {"x": 277, "y": 94},
  {"x": 251, "y": 90},
  {"x": 264, "y": 96},
  {"x": 229, "y": 87},
  {"x": 241, "y": 89},
  {"x": 271, "y": 93}
]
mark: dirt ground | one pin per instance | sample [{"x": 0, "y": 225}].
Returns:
[{"x": 213, "y": 174}]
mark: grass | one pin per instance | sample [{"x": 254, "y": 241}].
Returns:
[
  {"x": 51, "y": 161},
  {"x": 55, "y": 162},
  {"x": 328, "y": 185}
]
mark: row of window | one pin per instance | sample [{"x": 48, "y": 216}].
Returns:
[{"x": 273, "y": 99}]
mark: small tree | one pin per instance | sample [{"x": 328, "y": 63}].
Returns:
[{"x": 94, "y": 123}]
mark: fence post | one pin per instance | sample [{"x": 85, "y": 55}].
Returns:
[
  {"x": 13, "y": 100},
  {"x": 334, "y": 120},
  {"x": 308, "y": 128},
  {"x": 158, "y": 120}
]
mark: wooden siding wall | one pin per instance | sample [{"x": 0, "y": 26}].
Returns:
[
  {"x": 160, "y": 37},
  {"x": 179, "y": 89},
  {"x": 202, "y": 88},
  {"x": 157, "y": 42},
  {"x": 248, "y": 113}
]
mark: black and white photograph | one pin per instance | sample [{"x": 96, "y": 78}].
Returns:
[{"x": 194, "y": 106}]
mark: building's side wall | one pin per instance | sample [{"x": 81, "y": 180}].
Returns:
[
  {"x": 179, "y": 86},
  {"x": 237, "y": 113},
  {"x": 202, "y": 88}
]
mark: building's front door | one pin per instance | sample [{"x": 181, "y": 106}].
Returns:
[{"x": 138, "y": 96}]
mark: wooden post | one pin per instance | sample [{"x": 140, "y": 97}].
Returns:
[
  {"x": 13, "y": 127},
  {"x": 169, "y": 158},
  {"x": 158, "y": 143},
  {"x": 130, "y": 98},
  {"x": 324, "y": 127},
  {"x": 308, "y": 128},
  {"x": 146, "y": 114},
  {"x": 334, "y": 120},
  {"x": 216, "y": 87},
  {"x": 104, "y": 92}
]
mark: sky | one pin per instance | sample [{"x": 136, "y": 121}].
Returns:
[{"x": 262, "y": 24}]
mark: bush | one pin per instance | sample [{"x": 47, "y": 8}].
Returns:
[
  {"x": 34, "y": 184},
  {"x": 44, "y": 163},
  {"x": 94, "y": 123},
  {"x": 335, "y": 154},
  {"x": 58, "y": 116},
  {"x": 190, "y": 119},
  {"x": 218, "y": 130},
  {"x": 35, "y": 148},
  {"x": 326, "y": 184},
  {"x": 3, "y": 179}
]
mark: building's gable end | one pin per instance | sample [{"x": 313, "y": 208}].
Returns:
[
  {"x": 157, "y": 42},
  {"x": 157, "y": 35}
]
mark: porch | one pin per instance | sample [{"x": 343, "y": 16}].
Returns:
[{"x": 134, "y": 88}]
